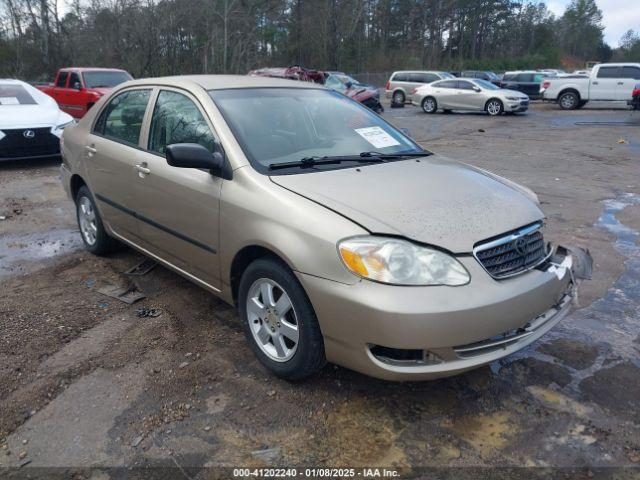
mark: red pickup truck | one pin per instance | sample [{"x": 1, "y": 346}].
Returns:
[{"x": 77, "y": 89}]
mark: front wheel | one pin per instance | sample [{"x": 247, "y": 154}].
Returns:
[
  {"x": 494, "y": 107},
  {"x": 279, "y": 321},
  {"x": 429, "y": 105},
  {"x": 569, "y": 101}
]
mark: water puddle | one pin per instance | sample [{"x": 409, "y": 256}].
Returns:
[
  {"x": 597, "y": 120},
  {"x": 20, "y": 254},
  {"x": 613, "y": 322}
]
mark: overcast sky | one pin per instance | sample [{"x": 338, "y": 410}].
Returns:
[{"x": 619, "y": 16}]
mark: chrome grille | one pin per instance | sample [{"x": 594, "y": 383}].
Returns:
[
  {"x": 16, "y": 144},
  {"x": 512, "y": 253}
]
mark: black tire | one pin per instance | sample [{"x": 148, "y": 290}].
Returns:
[
  {"x": 309, "y": 356},
  {"x": 429, "y": 105},
  {"x": 399, "y": 97},
  {"x": 494, "y": 107},
  {"x": 569, "y": 101},
  {"x": 103, "y": 244}
]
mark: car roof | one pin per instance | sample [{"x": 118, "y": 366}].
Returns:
[
  {"x": 220, "y": 82},
  {"x": 419, "y": 71}
]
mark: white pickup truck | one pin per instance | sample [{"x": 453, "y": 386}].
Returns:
[{"x": 607, "y": 82}]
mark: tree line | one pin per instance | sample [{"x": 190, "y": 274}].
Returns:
[{"x": 169, "y": 37}]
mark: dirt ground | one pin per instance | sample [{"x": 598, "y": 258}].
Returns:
[{"x": 86, "y": 382}]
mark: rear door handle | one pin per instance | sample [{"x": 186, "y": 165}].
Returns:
[
  {"x": 594, "y": 83},
  {"x": 90, "y": 151},
  {"x": 620, "y": 83}
]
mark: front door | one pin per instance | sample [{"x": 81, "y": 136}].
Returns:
[
  {"x": 466, "y": 97},
  {"x": 179, "y": 208},
  {"x": 629, "y": 78},
  {"x": 111, "y": 153}
]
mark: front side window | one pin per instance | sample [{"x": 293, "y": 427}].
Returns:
[
  {"x": 279, "y": 125},
  {"x": 74, "y": 81},
  {"x": 465, "y": 85},
  {"x": 121, "y": 120},
  {"x": 631, "y": 72},
  {"x": 176, "y": 119}
]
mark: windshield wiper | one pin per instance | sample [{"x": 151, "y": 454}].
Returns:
[{"x": 363, "y": 157}]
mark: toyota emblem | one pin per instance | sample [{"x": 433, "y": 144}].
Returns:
[
  {"x": 520, "y": 246},
  {"x": 28, "y": 134}
]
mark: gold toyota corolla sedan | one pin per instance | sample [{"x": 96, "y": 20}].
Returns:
[{"x": 338, "y": 238}]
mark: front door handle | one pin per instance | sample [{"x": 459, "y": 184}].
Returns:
[
  {"x": 594, "y": 83},
  {"x": 620, "y": 83},
  {"x": 142, "y": 170}
]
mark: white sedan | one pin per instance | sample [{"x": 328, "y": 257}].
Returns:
[
  {"x": 468, "y": 94},
  {"x": 31, "y": 123}
]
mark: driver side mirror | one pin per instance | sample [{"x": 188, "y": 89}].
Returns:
[
  {"x": 348, "y": 84},
  {"x": 194, "y": 155},
  {"x": 477, "y": 89},
  {"x": 76, "y": 86}
]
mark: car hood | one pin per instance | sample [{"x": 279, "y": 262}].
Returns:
[
  {"x": 512, "y": 93},
  {"x": 31, "y": 116},
  {"x": 434, "y": 201}
]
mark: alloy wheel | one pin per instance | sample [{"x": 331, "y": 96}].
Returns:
[
  {"x": 567, "y": 101},
  {"x": 494, "y": 107},
  {"x": 87, "y": 220},
  {"x": 272, "y": 320}
]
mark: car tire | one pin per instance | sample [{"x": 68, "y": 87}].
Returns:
[
  {"x": 94, "y": 236},
  {"x": 494, "y": 107},
  {"x": 399, "y": 97},
  {"x": 429, "y": 105},
  {"x": 569, "y": 101},
  {"x": 271, "y": 321}
]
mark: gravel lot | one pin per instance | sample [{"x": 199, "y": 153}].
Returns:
[{"x": 85, "y": 382}]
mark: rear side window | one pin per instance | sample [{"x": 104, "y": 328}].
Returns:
[
  {"x": 401, "y": 77},
  {"x": 524, "y": 77},
  {"x": 176, "y": 119},
  {"x": 608, "y": 72},
  {"x": 631, "y": 72},
  {"x": 447, "y": 84},
  {"x": 121, "y": 120},
  {"x": 62, "y": 79}
]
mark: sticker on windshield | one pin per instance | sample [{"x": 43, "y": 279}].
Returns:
[
  {"x": 377, "y": 137},
  {"x": 9, "y": 101}
]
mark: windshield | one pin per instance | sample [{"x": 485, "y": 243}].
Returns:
[
  {"x": 446, "y": 75},
  {"x": 104, "y": 79},
  {"x": 15, "y": 95},
  {"x": 278, "y": 125},
  {"x": 493, "y": 76},
  {"x": 486, "y": 85}
]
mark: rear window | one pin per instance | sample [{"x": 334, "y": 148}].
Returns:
[
  {"x": 15, "y": 95},
  {"x": 401, "y": 77}
]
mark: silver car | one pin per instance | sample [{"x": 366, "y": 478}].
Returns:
[
  {"x": 469, "y": 94},
  {"x": 401, "y": 84},
  {"x": 337, "y": 237}
]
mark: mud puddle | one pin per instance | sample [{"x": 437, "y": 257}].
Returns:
[{"x": 21, "y": 254}]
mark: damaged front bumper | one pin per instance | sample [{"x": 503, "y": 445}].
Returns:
[{"x": 420, "y": 333}]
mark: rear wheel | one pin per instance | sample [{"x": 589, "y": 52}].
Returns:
[
  {"x": 569, "y": 101},
  {"x": 429, "y": 105},
  {"x": 279, "y": 321},
  {"x": 94, "y": 236},
  {"x": 399, "y": 97},
  {"x": 494, "y": 107}
]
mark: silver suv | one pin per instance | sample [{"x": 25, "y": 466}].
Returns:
[{"x": 402, "y": 84}]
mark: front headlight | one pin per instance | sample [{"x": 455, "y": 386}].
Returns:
[
  {"x": 513, "y": 99},
  {"x": 62, "y": 126},
  {"x": 400, "y": 262}
]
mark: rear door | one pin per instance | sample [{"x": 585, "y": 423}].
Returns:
[
  {"x": 628, "y": 79},
  {"x": 468, "y": 98},
  {"x": 445, "y": 92},
  {"x": 604, "y": 86},
  {"x": 111, "y": 154},
  {"x": 179, "y": 208}
]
